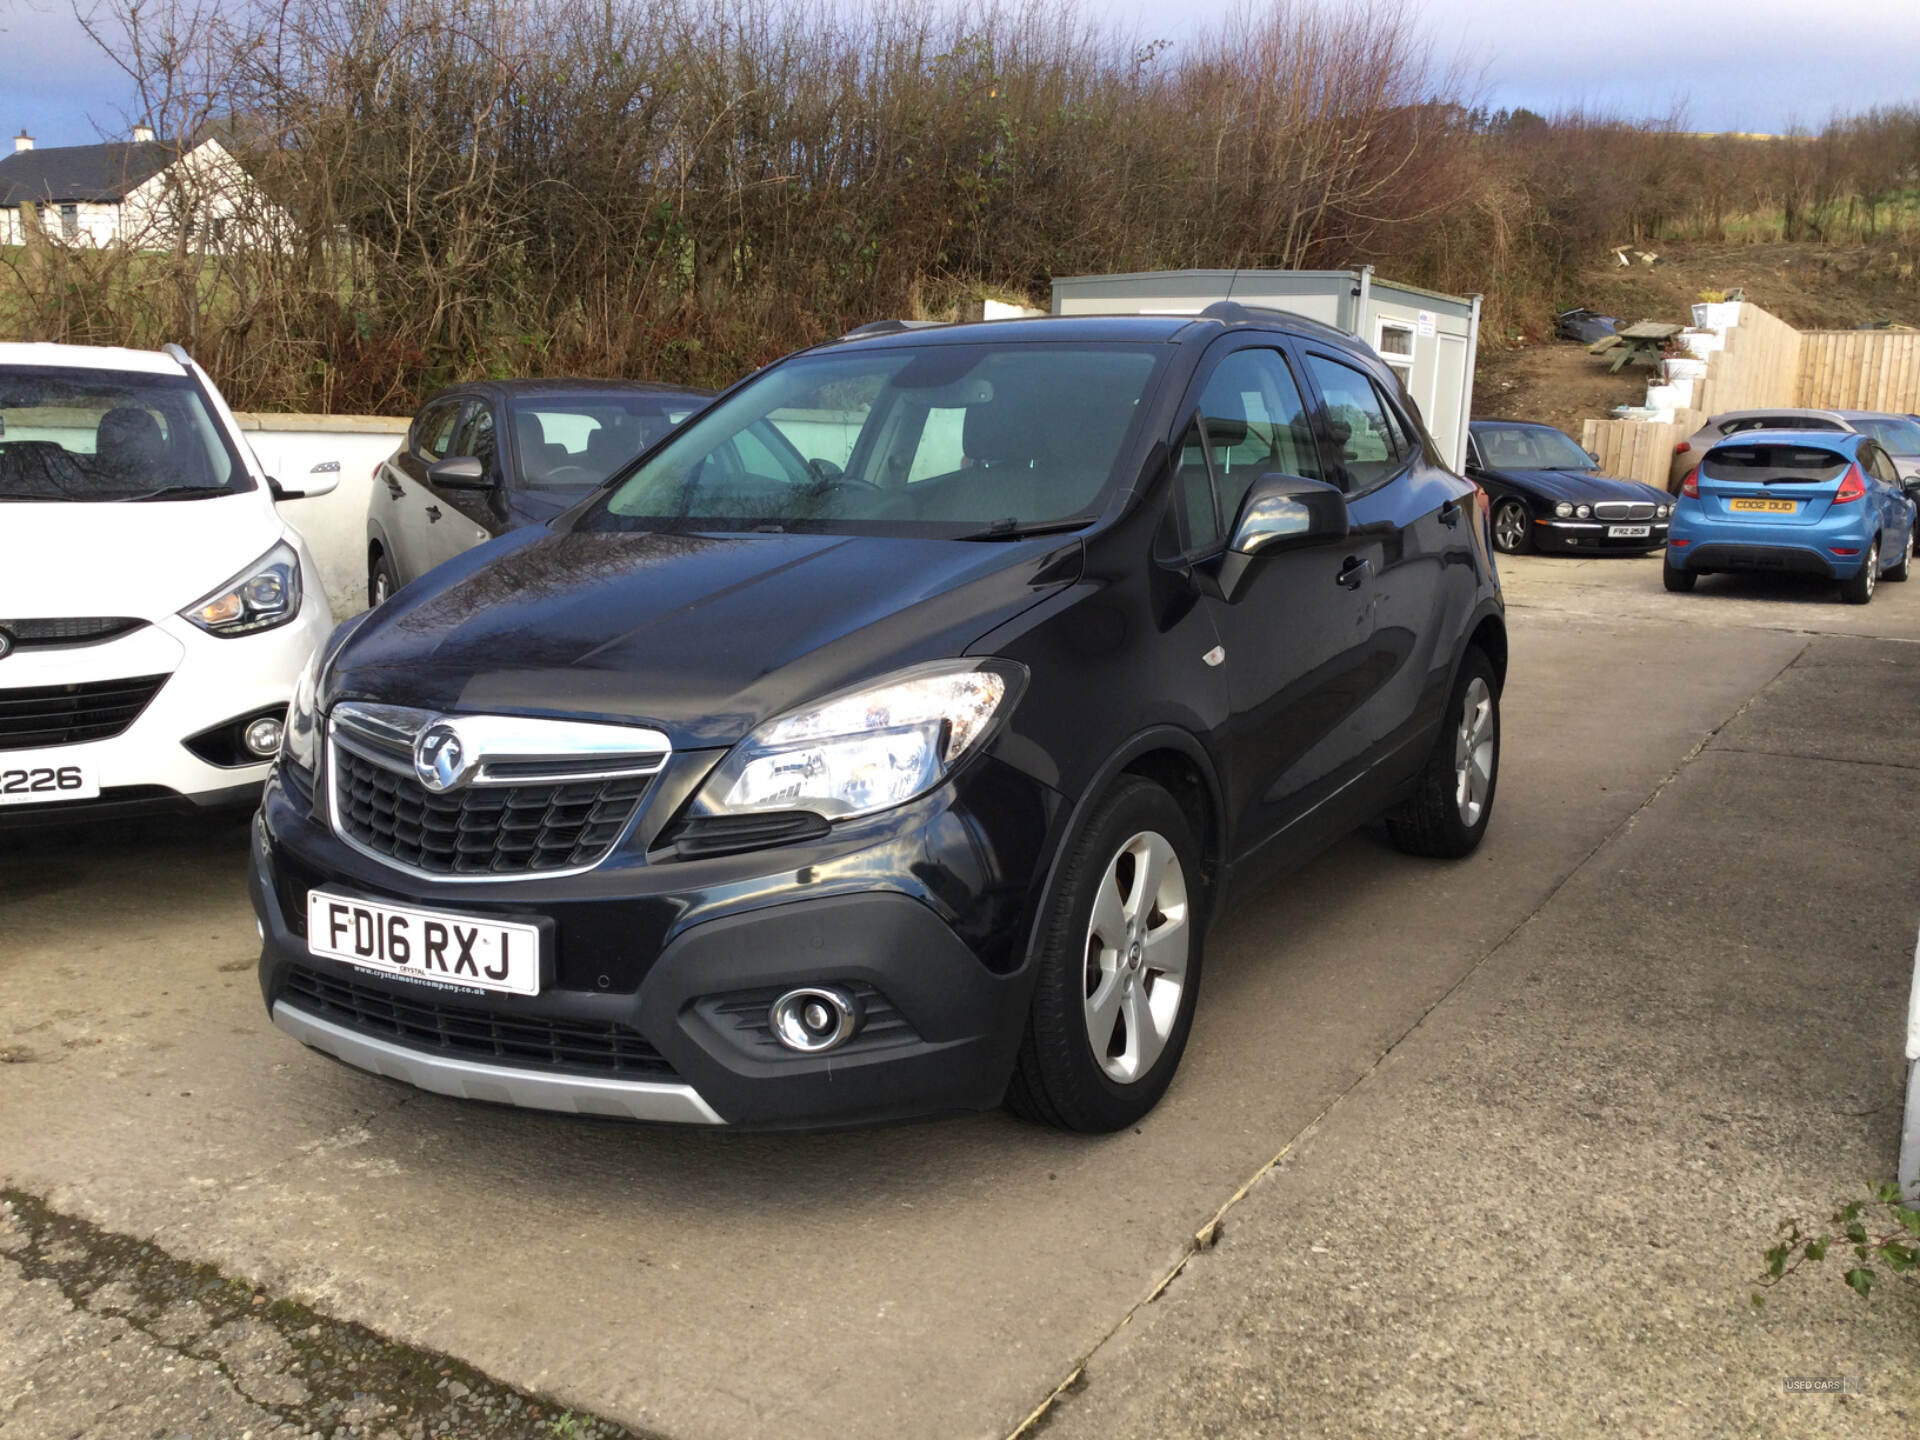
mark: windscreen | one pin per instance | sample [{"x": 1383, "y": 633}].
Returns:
[
  {"x": 1897, "y": 434},
  {"x": 934, "y": 440},
  {"x": 1773, "y": 464},
  {"x": 1778, "y": 422},
  {"x": 102, "y": 435},
  {"x": 1529, "y": 447},
  {"x": 567, "y": 443}
]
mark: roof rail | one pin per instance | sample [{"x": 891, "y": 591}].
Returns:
[
  {"x": 888, "y": 327},
  {"x": 174, "y": 352}
]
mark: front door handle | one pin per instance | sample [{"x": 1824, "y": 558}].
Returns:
[
  {"x": 1353, "y": 573},
  {"x": 433, "y": 512},
  {"x": 1450, "y": 514}
]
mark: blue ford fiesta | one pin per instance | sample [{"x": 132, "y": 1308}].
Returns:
[{"x": 1803, "y": 502}]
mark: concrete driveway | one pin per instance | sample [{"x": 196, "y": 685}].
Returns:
[{"x": 1535, "y": 1114}]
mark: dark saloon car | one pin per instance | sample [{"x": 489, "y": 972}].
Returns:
[
  {"x": 486, "y": 458},
  {"x": 904, "y": 777},
  {"x": 1549, "y": 495}
]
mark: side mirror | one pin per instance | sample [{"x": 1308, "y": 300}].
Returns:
[
  {"x": 1279, "y": 512},
  {"x": 322, "y": 479},
  {"x": 1594, "y": 458},
  {"x": 825, "y": 471},
  {"x": 1912, "y": 487},
  {"x": 459, "y": 472}
]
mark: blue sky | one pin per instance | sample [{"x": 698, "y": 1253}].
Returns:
[{"x": 1732, "y": 64}]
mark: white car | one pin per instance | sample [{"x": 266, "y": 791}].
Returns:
[{"x": 155, "y": 610}]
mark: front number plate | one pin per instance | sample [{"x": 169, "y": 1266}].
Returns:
[
  {"x": 1629, "y": 532},
  {"x": 1765, "y": 507},
  {"x": 425, "y": 944},
  {"x": 31, "y": 777}
]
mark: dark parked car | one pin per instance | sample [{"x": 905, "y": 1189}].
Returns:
[
  {"x": 1548, "y": 494},
  {"x": 1586, "y": 326},
  {"x": 905, "y": 777},
  {"x": 455, "y": 484}
]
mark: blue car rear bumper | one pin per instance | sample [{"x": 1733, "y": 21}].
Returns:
[{"x": 1833, "y": 547}]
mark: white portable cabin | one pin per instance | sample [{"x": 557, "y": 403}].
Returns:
[{"x": 1430, "y": 339}]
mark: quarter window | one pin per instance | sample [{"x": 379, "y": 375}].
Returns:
[{"x": 1357, "y": 422}]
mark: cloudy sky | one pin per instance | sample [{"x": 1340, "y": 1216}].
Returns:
[{"x": 1731, "y": 64}]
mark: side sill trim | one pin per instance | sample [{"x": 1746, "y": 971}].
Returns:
[{"x": 503, "y": 1085}]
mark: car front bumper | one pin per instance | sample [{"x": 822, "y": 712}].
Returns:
[
  {"x": 208, "y": 682},
  {"x": 921, "y": 915},
  {"x": 1595, "y": 536}
]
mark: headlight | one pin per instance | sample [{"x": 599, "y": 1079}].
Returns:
[
  {"x": 865, "y": 751},
  {"x": 1583, "y": 511},
  {"x": 1563, "y": 509},
  {"x": 300, "y": 739},
  {"x": 1662, "y": 511},
  {"x": 265, "y": 594}
]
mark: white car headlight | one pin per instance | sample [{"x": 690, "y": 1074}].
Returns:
[
  {"x": 1564, "y": 509},
  {"x": 1583, "y": 511},
  {"x": 265, "y": 594},
  {"x": 865, "y": 751},
  {"x": 1662, "y": 511},
  {"x": 300, "y": 738}
]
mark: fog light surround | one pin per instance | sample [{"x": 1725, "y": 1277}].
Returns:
[
  {"x": 814, "y": 1018},
  {"x": 263, "y": 737}
]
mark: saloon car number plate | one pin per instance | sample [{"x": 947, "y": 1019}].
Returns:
[
  {"x": 31, "y": 777},
  {"x": 1765, "y": 507},
  {"x": 1629, "y": 532},
  {"x": 425, "y": 944}
]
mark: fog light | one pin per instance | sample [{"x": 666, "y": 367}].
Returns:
[
  {"x": 814, "y": 1019},
  {"x": 263, "y": 737}
]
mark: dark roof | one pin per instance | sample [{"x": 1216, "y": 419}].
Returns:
[
  {"x": 67, "y": 173},
  {"x": 1149, "y": 328},
  {"x": 510, "y": 389}
]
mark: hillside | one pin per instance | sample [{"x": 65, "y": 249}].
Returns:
[{"x": 1811, "y": 286}]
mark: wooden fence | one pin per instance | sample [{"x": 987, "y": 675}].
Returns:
[
  {"x": 1639, "y": 449},
  {"x": 1760, "y": 366},
  {"x": 1860, "y": 370}
]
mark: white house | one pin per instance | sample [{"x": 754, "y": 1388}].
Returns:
[{"x": 145, "y": 193}]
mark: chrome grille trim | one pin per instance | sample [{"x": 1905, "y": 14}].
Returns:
[
  {"x": 1623, "y": 510},
  {"x": 528, "y": 751}
]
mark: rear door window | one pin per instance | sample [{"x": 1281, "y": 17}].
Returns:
[{"x": 1773, "y": 464}]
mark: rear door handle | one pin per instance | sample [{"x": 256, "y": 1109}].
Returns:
[
  {"x": 433, "y": 512},
  {"x": 1450, "y": 513},
  {"x": 1353, "y": 573},
  {"x": 394, "y": 488}
]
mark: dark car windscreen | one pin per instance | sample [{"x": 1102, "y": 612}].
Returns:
[
  {"x": 575, "y": 443},
  {"x": 1529, "y": 447},
  {"x": 72, "y": 435},
  {"x": 934, "y": 440},
  {"x": 1773, "y": 464},
  {"x": 1897, "y": 434},
  {"x": 1778, "y": 422}
]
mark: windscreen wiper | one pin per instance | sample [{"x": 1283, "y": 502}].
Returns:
[
  {"x": 172, "y": 492},
  {"x": 1011, "y": 528}
]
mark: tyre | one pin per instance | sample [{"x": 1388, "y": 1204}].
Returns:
[
  {"x": 1905, "y": 567},
  {"x": 1510, "y": 533},
  {"x": 1447, "y": 814},
  {"x": 1119, "y": 967},
  {"x": 1857, "y": 589},
  {"x": 381, "y": 581},
  {"x": 1675, "y": 579}
]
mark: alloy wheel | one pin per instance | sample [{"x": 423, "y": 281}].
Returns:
[
  {"x": 382, "y": 587},
  {"x": 1136, "y": 956},
  {"x": 1510, "y": 526},
  {"x": 1873, "y": 566},
  {"x": 1473, "y": 752}
]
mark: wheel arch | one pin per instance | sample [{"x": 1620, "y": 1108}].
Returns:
[{"x": 1175, "y": 760}]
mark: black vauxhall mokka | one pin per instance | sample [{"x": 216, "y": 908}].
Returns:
[{"x": 883, "y": 741}]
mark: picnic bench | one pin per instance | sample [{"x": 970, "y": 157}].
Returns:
[{"x": 1645, "y": 342}]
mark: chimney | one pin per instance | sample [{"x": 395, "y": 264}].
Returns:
[
  {"x": 22, "y": 141},
  {"x": 143, "y": 134}
]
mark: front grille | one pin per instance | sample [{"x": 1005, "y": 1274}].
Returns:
[
  {"x": 483, "y": 829},
  {"x": 59, "y": 633},
  {"x": 46, "y": 715},
  {"x": 597, "y": 1047},
  {"x": 1623, "y": 510}
]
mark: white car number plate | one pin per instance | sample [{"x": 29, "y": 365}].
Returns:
[
  {"x": 30, "y": 777},
  {"x": 1629, "y": 532},
  {"x": 425, "y": 944}
]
